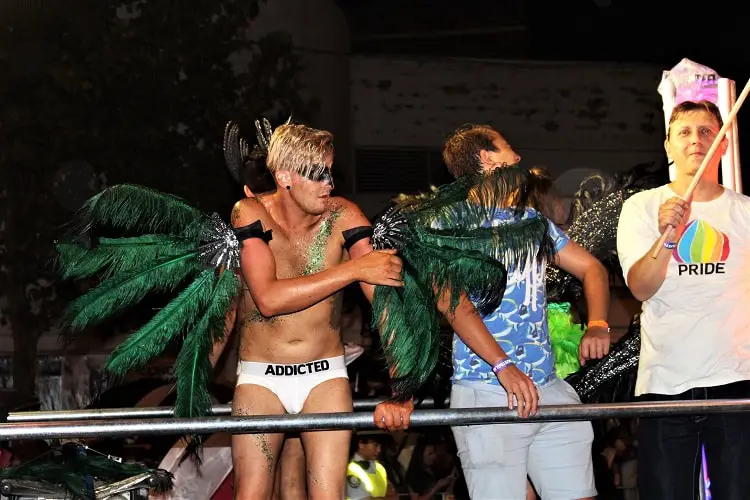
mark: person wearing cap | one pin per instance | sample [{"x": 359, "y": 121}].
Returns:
[{"x": 366, "y": 477}]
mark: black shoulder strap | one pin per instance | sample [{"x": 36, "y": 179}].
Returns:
[
  {"x": 254, "y": 230},
  {"x": 353, "y": 235}
]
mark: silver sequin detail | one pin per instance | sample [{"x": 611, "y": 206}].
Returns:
[
  {"x": 389, "y": 230},
  {"x": 220, "y": 247},
  {"x": 611, "y": 378},
  {"x": 596, "y": 231}
]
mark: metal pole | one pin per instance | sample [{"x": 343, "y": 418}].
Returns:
[
  {"x": 104, "y": 414},
  {"x": 155, "y": 412},
  {"x": 332, "y": 421}
]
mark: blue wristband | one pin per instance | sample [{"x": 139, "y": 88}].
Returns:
[{"x": 670, "y": 245}]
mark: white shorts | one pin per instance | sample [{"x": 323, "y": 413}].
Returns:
[
  {"x": 496, "y": 458},
  {"x": 291, "y": 383}
]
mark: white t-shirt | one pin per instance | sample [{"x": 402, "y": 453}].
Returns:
[{"x": 695, "y": 330}]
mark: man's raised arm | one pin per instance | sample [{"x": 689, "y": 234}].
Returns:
[{"x": 275, "y": 296}]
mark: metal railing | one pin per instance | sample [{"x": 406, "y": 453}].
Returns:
[
  {"x": 125, "y": 427},
  {"x": 157, "y": 412}
]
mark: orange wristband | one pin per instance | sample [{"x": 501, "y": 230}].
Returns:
[{"x": 600, "y": 323}]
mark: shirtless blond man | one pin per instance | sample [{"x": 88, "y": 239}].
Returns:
[{"x": 306, "y": 247}]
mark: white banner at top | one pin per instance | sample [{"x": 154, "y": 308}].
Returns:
[{"x": 688, "y": 81}]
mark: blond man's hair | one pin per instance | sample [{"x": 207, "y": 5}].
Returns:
[{"x": 300, "y": 149}]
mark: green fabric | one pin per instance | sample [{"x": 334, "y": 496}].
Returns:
[{"x": 565, "y": 337}]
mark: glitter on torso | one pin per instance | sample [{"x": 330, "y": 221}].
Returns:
[{"x": 316, "y": 252}]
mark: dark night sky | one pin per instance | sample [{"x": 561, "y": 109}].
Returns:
[{"x": 627, "y": 30}]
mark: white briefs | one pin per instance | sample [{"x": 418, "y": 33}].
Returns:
[{"x": 291, "y": 383}]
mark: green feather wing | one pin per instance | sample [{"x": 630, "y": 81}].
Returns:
[
  {"x": 173, "y": 320},
  {"x": 130, "y": 208},
  {"x": 471, "y": 199},
  {"x": 411, "y": 358},
  {"x": 490, "y": 250},
  {"x": 121, "y": 292},
  {"x": 115, "y": 256},
  {"x": 193, "y": 369},
  {"x": 512, "y": 244},
  {"x": 408, "y": 318},
  {"x": 160, "y": 257},
  {"x": 450, "y": 245},
  {"x": 165, "y": 245}
]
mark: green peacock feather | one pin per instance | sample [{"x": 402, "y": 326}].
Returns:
[{"x": 450, "y": 247}]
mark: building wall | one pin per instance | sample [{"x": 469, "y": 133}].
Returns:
[{"x": 567, "y": 116}]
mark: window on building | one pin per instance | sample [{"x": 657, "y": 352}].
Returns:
[{"x": 398, "y": 170}]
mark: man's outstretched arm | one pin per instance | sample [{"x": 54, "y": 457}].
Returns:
[{"x": 275, "y": 296}]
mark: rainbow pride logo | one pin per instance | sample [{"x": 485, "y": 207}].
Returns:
[{"x": 701, "y": 243}]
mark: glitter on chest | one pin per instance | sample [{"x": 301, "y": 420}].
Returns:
[{"x": 316, "y": 251}]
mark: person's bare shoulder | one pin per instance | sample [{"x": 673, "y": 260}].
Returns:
[
  {"x": 349, "y": 214},
  {"x": 246, "y": 211}
]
